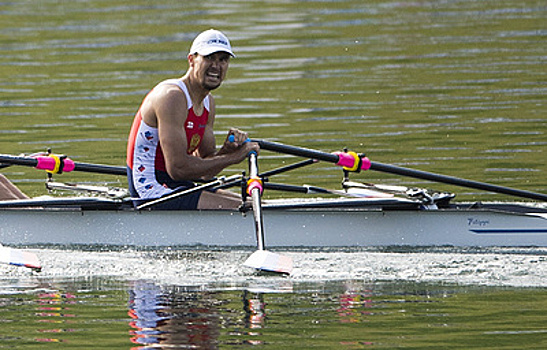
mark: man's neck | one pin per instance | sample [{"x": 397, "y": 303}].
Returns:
[{"x": 196, "y": 91}]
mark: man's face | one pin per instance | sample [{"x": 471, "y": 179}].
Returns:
[{"x": 211, "y": 70}]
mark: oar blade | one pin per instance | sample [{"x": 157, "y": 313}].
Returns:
[
  {"x": 264, "y": 260},
  {"x": 19, "y": 257}
]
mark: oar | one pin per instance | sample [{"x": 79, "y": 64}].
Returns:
[
  {"x": 262, "y": 259},
  {"x": 19, "y": 257},
  {"x": 275, "y": 172},
  {"x": 340, "y": 158},
  {"x": 58, "y": 164},
  {"x": 6, "y": 165},
  {"x": 308, "y": 189},
  {"x": 305, "y": 189},
  {"x": 217, "y": 182},
  {"x": 288, "y": 168},
  {"x": 386, "y": 168},
  {"x": 345, "y": 160}
]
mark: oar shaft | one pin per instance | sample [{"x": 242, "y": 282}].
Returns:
[
  {"x": 301, "y": 189},
  {"x": 348, "y": 160},
  {"x": 386, "y": 168},
  {"x": 13, "y": 160},
  {"x": 48, "y": 163},
  {"x": 255, "y": 189},
  {"x": 288, "y": 168},
  {"x": 100, "y": 169},
  {"x": 288, "y": 188},
  {"x": 297, "y": 151},
  {"x": 219, "y": 181}
]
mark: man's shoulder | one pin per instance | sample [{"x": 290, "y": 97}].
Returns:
[{"x": 167, "y": 93}]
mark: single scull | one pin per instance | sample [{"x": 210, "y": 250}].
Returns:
[{"x": 358, "y": 215}]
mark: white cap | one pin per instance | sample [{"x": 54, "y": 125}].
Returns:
[{"x": 211, "y": 41}]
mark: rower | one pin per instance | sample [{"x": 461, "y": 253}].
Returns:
[{"x": 172, "y": 142}]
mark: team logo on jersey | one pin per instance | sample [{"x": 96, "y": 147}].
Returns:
[
  {"x": 190, "y": 125},
  {"x": 141, "y": 168},
  {"x": 148, "y": 135},
  {"x": 194, "y": 143}
]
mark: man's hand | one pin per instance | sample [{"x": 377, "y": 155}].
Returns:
[
  {"x": 237, "y": 142},
  {"x": 235, "y": 138}
]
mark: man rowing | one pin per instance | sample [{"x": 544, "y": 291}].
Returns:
[{"x": 171, "y": 142}]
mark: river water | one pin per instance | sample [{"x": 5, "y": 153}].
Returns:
[{"x": 454, "y": 87}]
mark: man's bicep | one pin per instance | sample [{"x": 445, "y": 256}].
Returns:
[
  {"x": 171, "y": 133},
  {"x": 172, "y": 139},
  {"x": 208, "y": 143}
]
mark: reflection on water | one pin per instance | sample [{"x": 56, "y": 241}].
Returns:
[
  {"x": 173, "y": 317},
  {"x": 352, "y": 303},
  {"x": 182, "y": 317},
  {"x": 255, "y": 309},
  {"x": 55, "y": 309},
  {"x": 103, "y": 313}
]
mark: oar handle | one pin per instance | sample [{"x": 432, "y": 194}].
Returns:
[
  {"x": 254, "y": 182},
  {"x": 232, "y": 138}
]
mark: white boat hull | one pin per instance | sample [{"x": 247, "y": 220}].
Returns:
[{"x": 316, "y": 227}]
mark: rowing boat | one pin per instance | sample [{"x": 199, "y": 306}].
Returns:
[
  {"x": 359, "y": 215},
  {"x": 310, "y": 222}
]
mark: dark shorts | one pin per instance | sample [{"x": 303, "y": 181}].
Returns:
[{"x": 187, "y": 202}]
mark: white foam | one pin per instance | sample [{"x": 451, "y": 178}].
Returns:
[{"x": 201, "y": 267}]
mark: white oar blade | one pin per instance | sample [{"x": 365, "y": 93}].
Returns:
[
  {"x": 267, "y": 261},
  {"x": 19, "y": 258}
]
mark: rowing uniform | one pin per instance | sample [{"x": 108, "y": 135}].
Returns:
[{"x": 146, "y": 171}]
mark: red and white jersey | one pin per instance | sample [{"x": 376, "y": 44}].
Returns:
[{"x": 144, "y": 154}]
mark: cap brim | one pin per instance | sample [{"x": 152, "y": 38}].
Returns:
[{"x": 212, "y": 49}]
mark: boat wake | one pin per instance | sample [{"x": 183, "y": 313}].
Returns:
[{"x": 223, "y": 267}]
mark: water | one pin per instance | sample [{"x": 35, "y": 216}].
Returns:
[
  {"x": 203, "y": 298},
  {"x": 454, "y": 87}
]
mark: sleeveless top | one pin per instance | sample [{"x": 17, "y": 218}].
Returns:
[{"x": 144, "y": 155}]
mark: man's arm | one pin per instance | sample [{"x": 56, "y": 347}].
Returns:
[
  {"x": 208, "y": 144},
  {"x": 170, "y": 111},
  {"x": 207, "y": 148}
]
